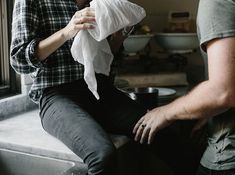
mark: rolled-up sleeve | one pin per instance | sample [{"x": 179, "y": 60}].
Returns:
[{"x": 25, "y": 29}]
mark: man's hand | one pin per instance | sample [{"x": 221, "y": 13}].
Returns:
[{"x": 147, "y": 127}]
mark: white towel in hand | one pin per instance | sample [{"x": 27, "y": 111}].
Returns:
[{"x": 91, "y": 48}]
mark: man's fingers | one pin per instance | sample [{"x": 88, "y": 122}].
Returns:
[
  {"x": 138, "y": 133},
  {"x": 138, "y": 124},
  {"x": 145, "y": 134}
]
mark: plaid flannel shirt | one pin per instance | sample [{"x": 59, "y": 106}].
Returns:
[{"x": 34, "y": 21}]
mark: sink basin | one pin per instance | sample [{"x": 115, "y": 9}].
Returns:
[
  {"x": 177, "y": 42},
  {"x": 136, "y": 43},
  {"x": 18, "y": 163}
]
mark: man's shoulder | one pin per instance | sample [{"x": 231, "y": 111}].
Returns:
[{"x": 215, "y": 19}]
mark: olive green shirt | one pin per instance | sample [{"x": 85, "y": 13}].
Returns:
[{"x": 216, "y": 19}]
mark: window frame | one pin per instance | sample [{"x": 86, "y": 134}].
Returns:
[{"x": 9, "y": 80}]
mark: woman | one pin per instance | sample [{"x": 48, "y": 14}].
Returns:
[{"x": 42, "y": 35}]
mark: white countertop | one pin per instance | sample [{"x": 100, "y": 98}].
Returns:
[{"x": 24, "y": 133}]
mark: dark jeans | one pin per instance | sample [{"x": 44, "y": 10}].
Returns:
[
  {"x": 72, "y": 114},
  {"x": 205, "y": 171}
]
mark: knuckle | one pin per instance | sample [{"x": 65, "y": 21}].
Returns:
[{"x": 81, "y": 19}]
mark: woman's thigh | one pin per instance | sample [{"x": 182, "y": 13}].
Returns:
[{"x": 64, "y": 119}]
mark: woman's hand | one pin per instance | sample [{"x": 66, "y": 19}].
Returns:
[
  {"x": 147, "y": 127},
  {"x": 115, "y": 41},
  {"x": 81, "y": 20}
]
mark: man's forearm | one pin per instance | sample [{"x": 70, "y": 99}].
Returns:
[{"x": 204, "y": 101}]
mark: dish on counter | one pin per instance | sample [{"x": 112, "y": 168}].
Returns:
[{"x": 162, "y": 92}]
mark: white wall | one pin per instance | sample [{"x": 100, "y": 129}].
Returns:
[{"x": 157, "y": 10}]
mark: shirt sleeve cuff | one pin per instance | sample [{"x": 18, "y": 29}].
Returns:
[{"x": 31, "y": 52}]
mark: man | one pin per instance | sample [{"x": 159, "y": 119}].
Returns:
[{"x": 212, "y": 100}]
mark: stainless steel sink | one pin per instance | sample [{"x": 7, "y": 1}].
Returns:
[{"x": 18, "y": 163}]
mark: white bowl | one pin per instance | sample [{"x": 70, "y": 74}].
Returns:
[
  {"x": 136, "y": 43},
  {"x": 177, "y": 42}
]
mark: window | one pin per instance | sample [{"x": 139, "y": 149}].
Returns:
[{"x": 9, "y": 83}]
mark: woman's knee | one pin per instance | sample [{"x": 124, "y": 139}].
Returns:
[{"x": 102, "y": 161}]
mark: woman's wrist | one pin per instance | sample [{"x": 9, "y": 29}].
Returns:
[
  {"x": 64, "y": 34},
  {"x": 49, "y": 45}
]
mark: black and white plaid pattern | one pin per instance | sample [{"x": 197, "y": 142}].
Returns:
[{"x": 32, "y": 22}]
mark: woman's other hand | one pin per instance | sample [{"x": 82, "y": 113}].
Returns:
[
  {"x": 117, "y": 38},
  {"x": 81, "y": 20},
  {"x": 115, "y": 41}
]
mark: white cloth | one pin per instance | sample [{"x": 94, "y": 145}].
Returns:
[{"x": 91, "y": 48}]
